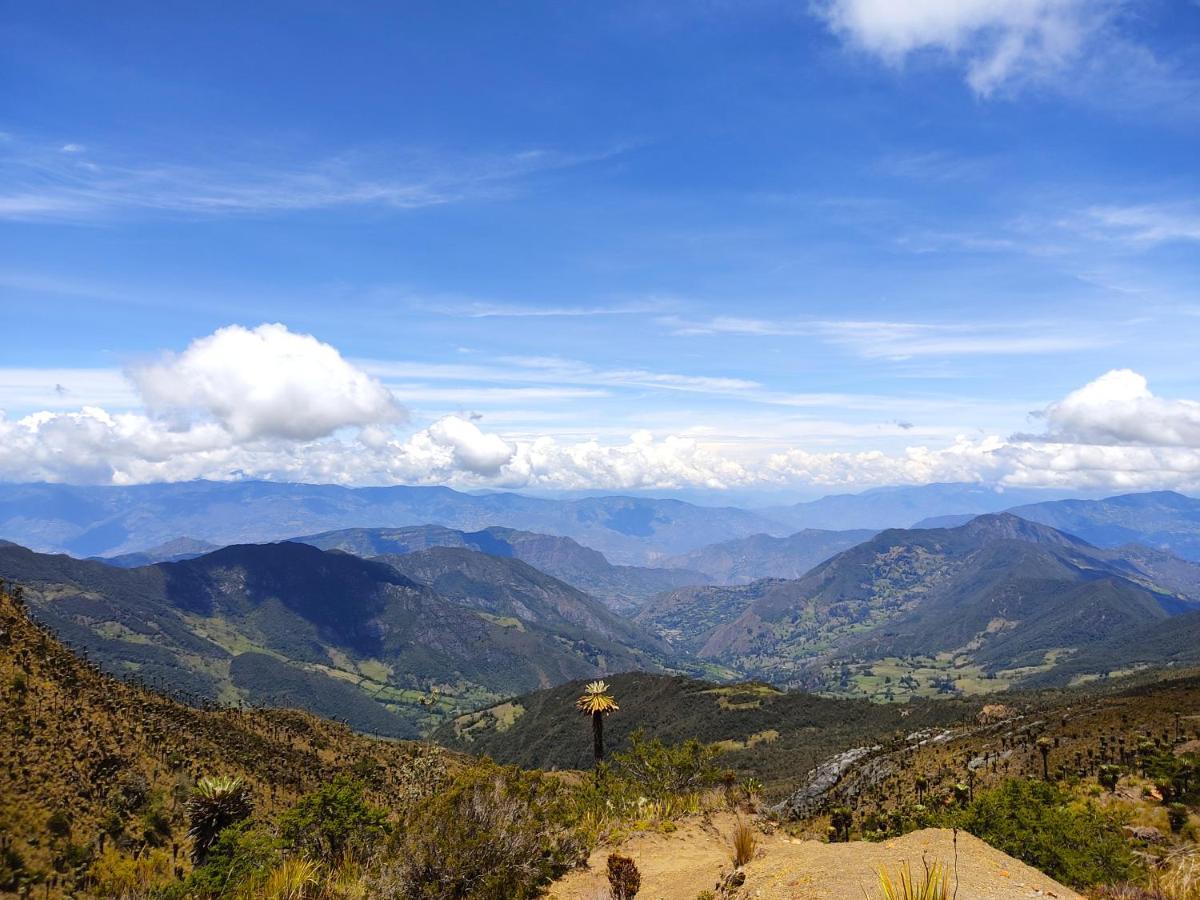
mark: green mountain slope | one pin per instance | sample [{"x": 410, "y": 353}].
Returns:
[
  {"x": 326, "y": 621},
  {"x": 686, "y": 618},
  {"x": 622, "y": 587}
]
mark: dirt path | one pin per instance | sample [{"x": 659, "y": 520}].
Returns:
[{"x": 680, "y": 865}]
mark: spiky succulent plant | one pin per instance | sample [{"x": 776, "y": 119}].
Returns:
[
  {"x": 597, "y": 703},
  {"x": 215, "y": 804}
]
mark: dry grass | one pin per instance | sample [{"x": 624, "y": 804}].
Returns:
[
  {"x": 745, "y": 842},
  {"x": 1179, "y": 876}
]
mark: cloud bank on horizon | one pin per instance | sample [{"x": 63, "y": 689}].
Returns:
[{"x": 269, "y": 403}]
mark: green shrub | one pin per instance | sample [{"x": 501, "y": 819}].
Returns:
[
  {"x": 658, "y": 770},
  {"x": 334, "y": 822},
  {"x": 1040, "y": 824},
  {"x": 239, "y": 853}
]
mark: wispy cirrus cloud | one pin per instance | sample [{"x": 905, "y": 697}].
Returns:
[
  {"x": 1140, "y": 225},
  {"x": 903, "y": 340},
  {"x": 42, "y": 181},
  {"x": 484, "y": 309}
]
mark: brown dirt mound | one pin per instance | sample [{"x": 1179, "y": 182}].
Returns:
[{"x": 680, "y": 865}]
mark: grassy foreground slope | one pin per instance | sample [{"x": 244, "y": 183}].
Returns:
[{"x": 89, "y": 762}]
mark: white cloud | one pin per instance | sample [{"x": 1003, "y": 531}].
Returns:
[
  {"x": 996, "y": 40},
  {"x": 1118, "y": 408},
  {"x": 474, "y": 451},
  {"x": 265, "y": 382},
  {"x": 269, "y": 403}
]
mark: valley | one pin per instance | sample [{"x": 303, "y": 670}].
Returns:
[{"x": 821, "y": 685}]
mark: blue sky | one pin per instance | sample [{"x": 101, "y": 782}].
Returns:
[{"x": 773, "y": 241}]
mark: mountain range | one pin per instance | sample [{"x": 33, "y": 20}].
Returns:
[
  {"x": 743, "y": 560},
  {"x": 397, "y": 627},
  {"x": 903, "y": 506},
  {"x": 117, "y": 520},
  {"x": 622, "y": 587},
  {"x": 110, "y": 521},
  {"x": 354, "y": 639},
  {"x": 916, "y": 612}
]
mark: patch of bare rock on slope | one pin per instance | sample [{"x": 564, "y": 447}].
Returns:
[{"x": 679, "y": 865}]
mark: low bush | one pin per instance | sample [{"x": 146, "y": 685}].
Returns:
[
  {"x": 624, "y": 879},
  {"x": 334, "y": 822},
  {"x": 659, "y": 770},
  {"x": 490, "y": 833},
  {"x": 1041, "y": 824}
]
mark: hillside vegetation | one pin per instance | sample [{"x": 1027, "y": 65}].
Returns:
[
  {"x": 108, "y": 790},
  {"x": 1090, "y": 786},
  {"x": 762, "y": 732},
  {"x": 91, "y": 764}
]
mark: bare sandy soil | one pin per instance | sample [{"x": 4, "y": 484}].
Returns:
[{"x": 680, "y": 865}]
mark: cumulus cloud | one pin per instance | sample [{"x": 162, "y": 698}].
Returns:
[
  {"x": 995, "y": 41},
  {"x": 1118, "y": 408},
  {"x": 265, "y": 382}
]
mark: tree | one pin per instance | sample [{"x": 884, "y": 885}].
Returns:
[
  {"x": 215, "y": 804},
  {"x": 597, "y": 703}
]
